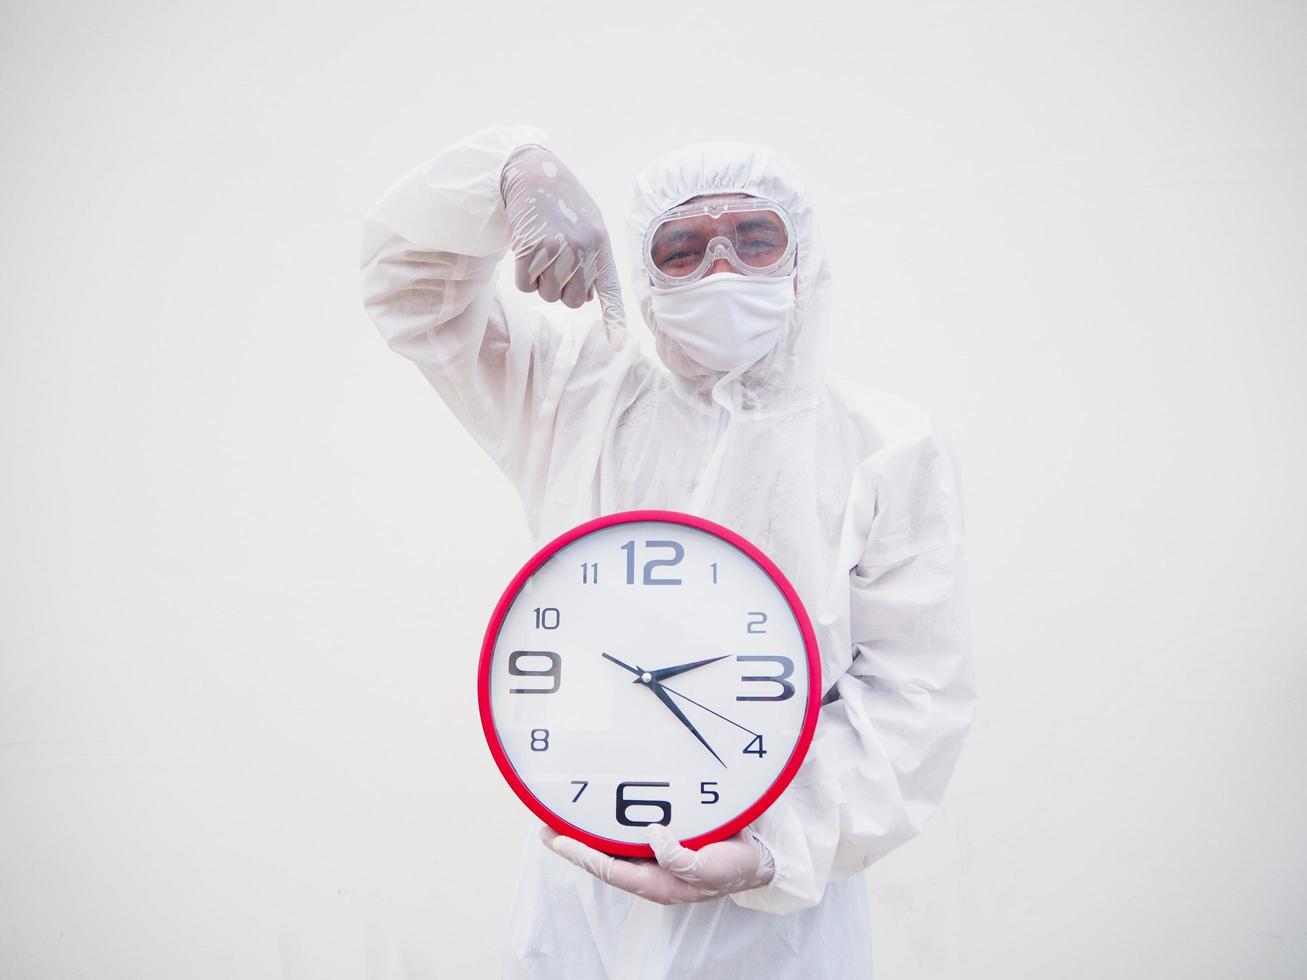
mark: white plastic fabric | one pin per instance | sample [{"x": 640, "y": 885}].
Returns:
[{"x": 852, "y": 493}]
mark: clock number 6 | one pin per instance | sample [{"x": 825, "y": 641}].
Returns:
[{"x": 623, "y": 803}]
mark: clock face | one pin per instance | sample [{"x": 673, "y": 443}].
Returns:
[{"x": 649, "y": 667}]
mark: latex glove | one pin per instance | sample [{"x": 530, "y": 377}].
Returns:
[
  {"x": 678, "y": 874},
  {"x": 558, "y": 236}
]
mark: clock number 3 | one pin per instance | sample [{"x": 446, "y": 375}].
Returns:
[{"x": 787, "y": 669}]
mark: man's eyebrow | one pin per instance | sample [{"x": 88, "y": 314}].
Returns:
[
  {"x": 675, "y": 236},
  {"x": 765, "y": 224}
]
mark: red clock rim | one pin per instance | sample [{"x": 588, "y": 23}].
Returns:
[{"x": 782, "y": 780}]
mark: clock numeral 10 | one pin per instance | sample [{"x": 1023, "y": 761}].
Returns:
[
  {"x": 652, "y": 563},
  {"x": 546, "y": 618},
  {"x": 624, "y": 803}
]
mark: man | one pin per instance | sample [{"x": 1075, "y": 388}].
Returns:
[{"x": 853, "y": 494}]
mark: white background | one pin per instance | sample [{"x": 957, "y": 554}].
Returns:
[{"x": 246, "y": 554}]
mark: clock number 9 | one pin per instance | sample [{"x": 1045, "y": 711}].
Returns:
[
  {"x": 554, "y": 670},
  {"x": 623, "y": 803}
]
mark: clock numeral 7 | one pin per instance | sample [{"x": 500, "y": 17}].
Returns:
[
  {"x": 623, "y": 803},
  {"x": 653, "y": 563},
  {"x": 787, "y": 669},
  {"x": 554, "y": 670}
]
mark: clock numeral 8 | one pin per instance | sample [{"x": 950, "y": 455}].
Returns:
[
  {"x": 623, "y": 803},
  {"x": 539, "y": 739}
]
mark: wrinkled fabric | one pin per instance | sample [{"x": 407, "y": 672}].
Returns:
[{"x": 853, "y": 493}]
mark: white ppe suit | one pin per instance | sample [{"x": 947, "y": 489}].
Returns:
[{"x": 853, "y": 494}]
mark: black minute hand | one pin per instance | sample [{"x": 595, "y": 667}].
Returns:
[{"x": 666, "y": 699}]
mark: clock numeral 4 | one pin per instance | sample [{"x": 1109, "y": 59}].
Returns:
[
  {"x": 787, "y": 669},
  {"x": 554, "y": 670},
  {"x": 624, "y": 803},
  {"x": 750, "y": 750}
]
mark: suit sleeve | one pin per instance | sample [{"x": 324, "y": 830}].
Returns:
[
  {"x": 886, "y": 747},
  {"x": 527, "y": 389}
]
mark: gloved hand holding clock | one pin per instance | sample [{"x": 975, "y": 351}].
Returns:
[{"x": 678, "y": 874}]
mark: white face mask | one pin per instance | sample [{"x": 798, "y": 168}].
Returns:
[{"x": 725, "y": 319}]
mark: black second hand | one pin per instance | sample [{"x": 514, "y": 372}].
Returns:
[{"x": 708, "y": 709}]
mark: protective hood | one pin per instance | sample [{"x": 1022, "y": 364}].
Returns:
[{"x": 790, "y": 376}]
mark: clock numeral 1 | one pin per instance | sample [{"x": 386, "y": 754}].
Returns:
[
  {"x": 750, "y": 750},
  {"x": 584, "y": 783},
  {"x": 623, "y": 803},
  {"x": 713, "y": 566},
  {"x": 704, "y": 790},
  {"x": 787, "y": 668},
  {"x": 589, "y": 572},
  {"x": 539, "y": 739},
  {"x": 554, "y": 670}
]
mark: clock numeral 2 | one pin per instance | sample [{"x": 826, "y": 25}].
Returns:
[
  {"x": 623, "y": 803},
  {"x": 787, "y": 669},
  {"x": 554, "y": 670}
]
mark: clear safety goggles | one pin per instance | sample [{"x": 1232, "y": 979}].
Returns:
[{"x": 754, "y": 236}]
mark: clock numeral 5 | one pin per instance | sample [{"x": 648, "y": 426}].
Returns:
[
  {"x": 623, "y": 803},
  {"x": 787, "y": 669},
  {"x": 705, "y": 791},
  {"x": 554, "y": 670},
  {"x": 653, "y": 563}
]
